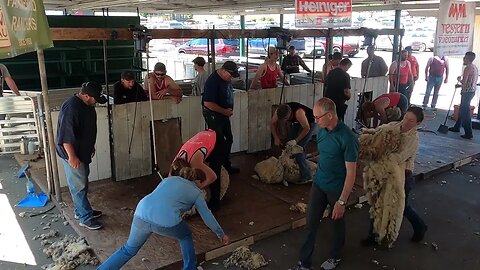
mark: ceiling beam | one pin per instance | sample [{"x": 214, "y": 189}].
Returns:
[{"x": 125, "y": 34}]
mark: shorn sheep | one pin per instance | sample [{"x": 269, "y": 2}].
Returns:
[
  {"x": 284, "y": 169},
  {"x": 383, "y": 180}
]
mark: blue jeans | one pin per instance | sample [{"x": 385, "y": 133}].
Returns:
[
  {"x": 77, "y": 180},
  {"x": 464, "y": 117},
  {"x": 140, "y": 232},
  {"x": 301, "y": 158},
  {"x": 406, "y": 90},
  {"x": 434, "y": 82},
  {"x": 317, "y": 202}
]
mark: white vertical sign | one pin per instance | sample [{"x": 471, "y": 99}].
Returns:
[{"x": 456, "y": 20}]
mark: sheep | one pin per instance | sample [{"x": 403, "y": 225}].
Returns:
[
  {"x": 383, "y": 180},
  {"x": 284, "y": 169},
  {"x": 225, "y": 182}
]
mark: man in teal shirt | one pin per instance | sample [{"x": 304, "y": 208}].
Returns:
[{"x": 336, "y": 171}]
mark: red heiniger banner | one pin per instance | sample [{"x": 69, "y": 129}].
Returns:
[
  {"x": 455, "y": 23},
  {"x": 323, "y": 13}
]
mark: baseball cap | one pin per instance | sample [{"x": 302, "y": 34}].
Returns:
[
  {"x": 408, "y": 48},
  {"x": 199, "y": 61},
  {"x": 94, "y": 90},
  {"x": 128, "y": 75},
  {"x": 160, "y": 67},
  {"x": 232, "y": 68}
]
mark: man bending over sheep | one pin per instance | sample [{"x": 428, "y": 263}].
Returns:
[
  {"x": 403, "y": 134},
  {"x": 302, "y": 128},
  {"x": 384, "y": 108}
]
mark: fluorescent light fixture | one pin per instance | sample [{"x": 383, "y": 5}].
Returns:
[
  {"x": 289, "y": 8},
  {"x": 249, "y": 10}
]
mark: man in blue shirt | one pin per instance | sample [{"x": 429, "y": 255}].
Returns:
[
  {"x": 76, "y": 136},
  {"x": 217, "y": 102},
  {"x": 336, "y": 171}
]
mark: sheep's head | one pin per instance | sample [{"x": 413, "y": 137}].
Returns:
[{"x": 292, "y": 148}]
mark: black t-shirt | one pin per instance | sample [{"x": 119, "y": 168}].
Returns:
[
  {"x": 337, "y": 81},
  {"x": 77, "y": 125},
  {"x": 218, "y": 91},
  {"x": 122, "y": 95},
  {"x": 297, "y": 106}
]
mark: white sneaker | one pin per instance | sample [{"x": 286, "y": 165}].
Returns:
[{"x": 330, "y": 264}]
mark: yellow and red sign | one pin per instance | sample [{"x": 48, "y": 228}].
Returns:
[
  {"x": 455, "y": 23},
  {"x": 323, "y": 13}
]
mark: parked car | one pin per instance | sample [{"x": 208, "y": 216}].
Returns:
[
  {"x": 260, "y": 45},
  {"x": 420, "y": 41},
  {"x": 223, "y": 47},
  {"x": 350, "y": 48}
]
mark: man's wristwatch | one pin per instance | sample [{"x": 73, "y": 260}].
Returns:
[{"x": 342, "y": 203}]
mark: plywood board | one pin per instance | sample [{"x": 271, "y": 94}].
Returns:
[{"x": 168, "y": 142}]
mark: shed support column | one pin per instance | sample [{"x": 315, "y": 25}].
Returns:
[
  {"x": 242, "y": 40},
  {"x": 396, "y": 37}
]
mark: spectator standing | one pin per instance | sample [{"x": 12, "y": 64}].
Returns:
[
  {"x": 436, "y": 67},
  {"x": 292, "y": 61},
  {"x": 373, "y": 65},
  {"x": 127, "y": 89},
  {"x": 337, "y": 87},
  {"x": 161, "y": 85},
  {"x": 76, "y": 137},
  {"x": 406, "y": 76},
  {"x": 202, "y": 76},
  {"x": 468, "y": 83},
  {"x": 269, "y": 72}
]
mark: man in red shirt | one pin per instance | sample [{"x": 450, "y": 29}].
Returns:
[
  {"x": 406, "y": 79},
  {"x": 414, "y": 65}
]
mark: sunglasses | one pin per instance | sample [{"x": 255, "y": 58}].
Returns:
[
  {"x": 320, "y": 117},
  {"x": 159, "y": 74}
]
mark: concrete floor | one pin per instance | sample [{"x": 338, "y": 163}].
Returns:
[
  {"x": 451, "y": 211},
  {"x": 17, "y": 249}
]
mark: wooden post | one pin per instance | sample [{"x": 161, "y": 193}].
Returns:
[
  {"x": 212, "y": 49},
  {"x": 48, "y": 118}
]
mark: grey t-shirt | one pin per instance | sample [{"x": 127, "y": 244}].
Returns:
[
  {"x": 4, "y": 74},
  {"x": 199, "y": 83},
  {"x": 378, "y": 67}
]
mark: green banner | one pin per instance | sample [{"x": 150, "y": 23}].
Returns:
[{"x": 23, "y": 27}]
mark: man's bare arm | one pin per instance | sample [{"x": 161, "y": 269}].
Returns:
[
  {"x": 260, "y": 71},
  {"x": 302, "y": 119}
]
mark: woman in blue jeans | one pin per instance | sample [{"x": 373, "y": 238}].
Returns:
[{"x": 159, "y": 212}]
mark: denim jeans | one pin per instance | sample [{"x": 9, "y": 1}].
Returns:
[
  {"x": 77, "y": 180},
  {"x": 301, "y": 158},
  {"x": 434, "y": 82},
  {"x": 140, "y": 232},
  {"x": 417, "y": 222},
  {"x": 406, "y": 90},
  {"x": 221, "y": 152},
  {"x": 317, "y": 203},
  {"x": 464, "y": 117}
]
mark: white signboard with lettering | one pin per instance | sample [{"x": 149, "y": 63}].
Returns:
[
  {"x": 456, "y": 20},
  {"x": 323, "y": 13}
]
